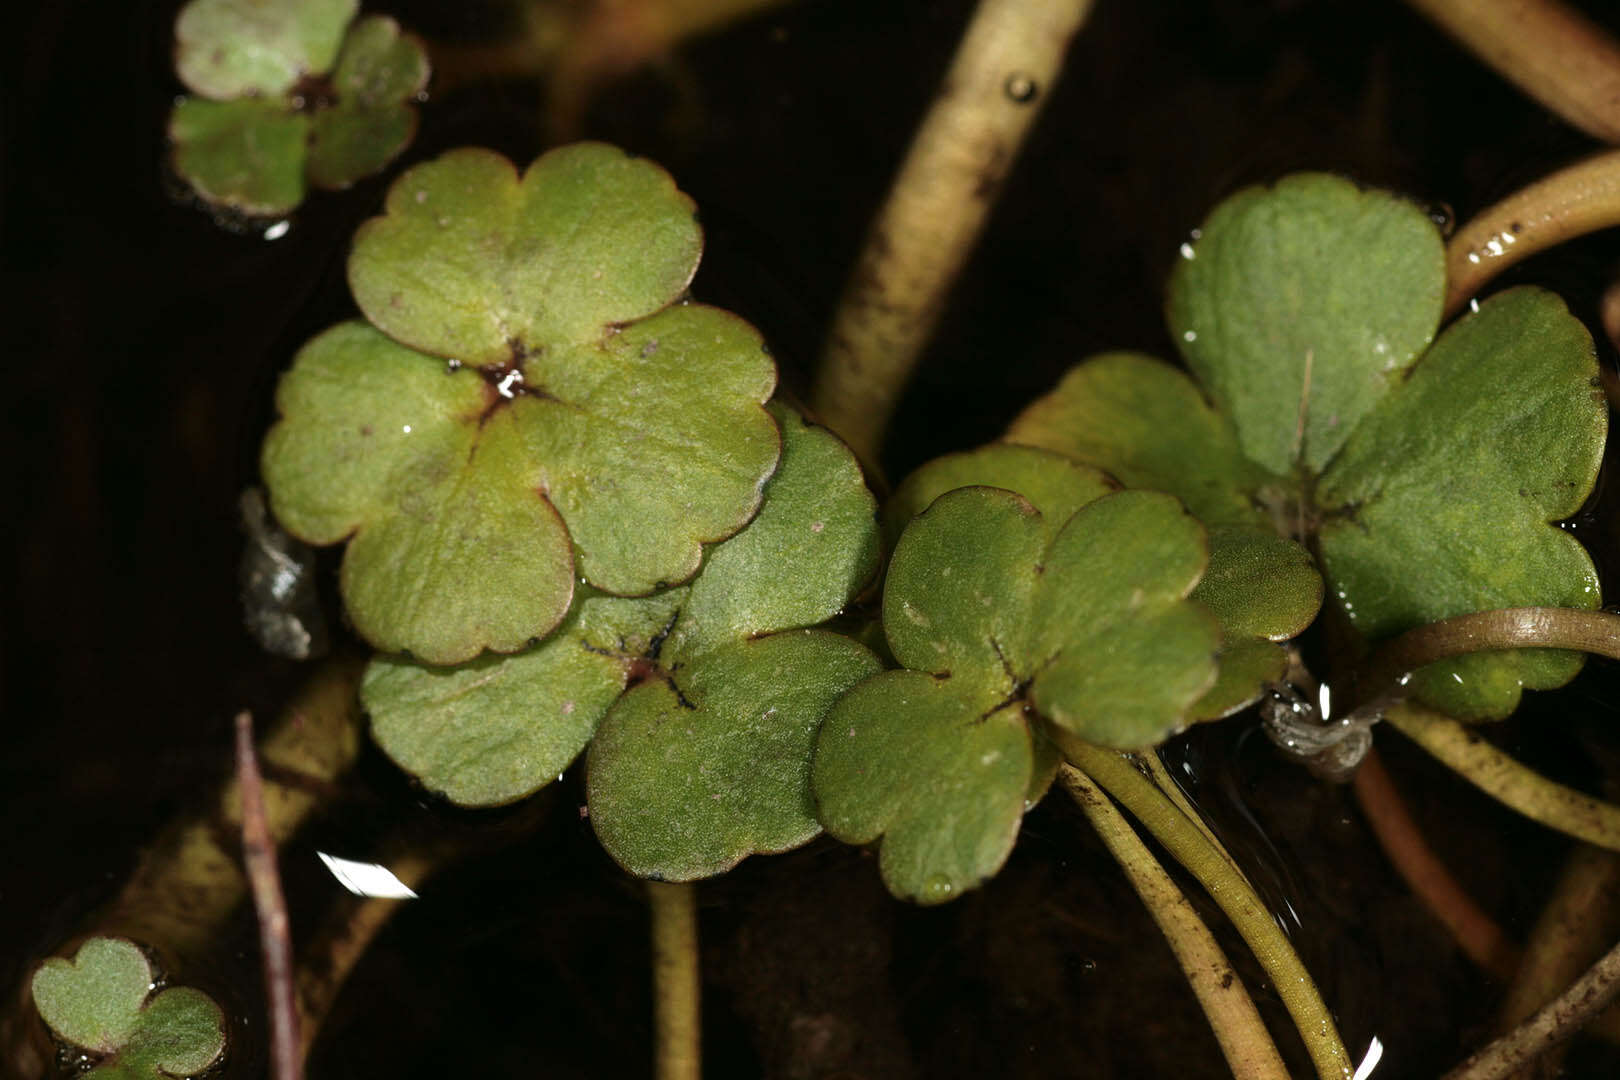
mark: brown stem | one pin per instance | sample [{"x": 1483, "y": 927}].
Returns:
[
  {"x": 1571, "y": 202},
  {"x": 1557, "y": 1021},
  {"x": 275, "y": 934},
  {"x": 1475, "y": 932},
  {"x": 1380, "y": 679},
  {"x": 1547, "y": 49},
  {"x": 1001, "y": 76}
]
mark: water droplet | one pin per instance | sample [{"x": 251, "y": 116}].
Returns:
[
  {"x": 278, "y": 230},
  {"x": 1021, "y": 88},
  {"x": 1088, "y": 965},
  {"x": 1473, "y": 305},
  {"x": 1190, "y": 335},
  {"x": 938, "y": 887},
  {"x": 1444, "y": 218},
  {"x": 1187, "y": 251},
  {"x": 406, "y": 429},
  {"x": 452, "y": 365}
]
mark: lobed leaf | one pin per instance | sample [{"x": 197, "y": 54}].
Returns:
[
  {"x": 239, "y": 48},
  {"x": 942, "y": 779},
  {"x": 369, "y": 122},
  {"x": 1440, "y": 503},
  {"x": 246, "y": 154},
  {"x": 691, "y": 773},
  {"x": 1300, "y": 305},
  {"x": 474, "y": 262}
]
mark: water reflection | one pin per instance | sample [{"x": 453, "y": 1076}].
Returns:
[{"x": 367, "y": 879}]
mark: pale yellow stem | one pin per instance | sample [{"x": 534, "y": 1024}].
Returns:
[
  {"x": 677, "y": 983},
  {"x": 1238, "y": 1028},
  {"x": 1002, "y": 74},
  {"x": 1547, "y": 49},
  {"x": 1498, "y": 775}
]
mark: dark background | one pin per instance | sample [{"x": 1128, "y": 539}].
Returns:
[{"x": 143, "y": 347}]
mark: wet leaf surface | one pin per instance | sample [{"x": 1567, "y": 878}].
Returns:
[{"x": 98, "y": 1002}]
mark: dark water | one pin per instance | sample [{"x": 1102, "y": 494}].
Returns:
[{"x": 143, "y": 347}]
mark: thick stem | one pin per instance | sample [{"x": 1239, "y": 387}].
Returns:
[
  {"x": 1547, "y": 49},
  {"x": 275, "y": 932},
  {"x": 677, "y": 984},
  {"x": 1117, "y": 776},
  {"x": 1167, "y": 784},
  {"x": 1560, "y": 1019},
  {"x": 1381, "y": 678},
  {"x": 1571, "y": 202},
  {"x": 1475, "y": 932},
  {"x": 1238, "y": 1028},
  {"x": 1002, "y": 74},
  {"x": 1505, "y": 780}
]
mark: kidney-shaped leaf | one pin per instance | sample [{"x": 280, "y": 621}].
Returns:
[
  {"x": 239, "y": 48},
  {"x": 247, "y": 154},
  {"x": 689, "y": 775},
  {"x": 1299, "y": 306},
  {"x": 1440, "y": 503}
]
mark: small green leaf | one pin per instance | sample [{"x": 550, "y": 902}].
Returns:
[
  {"x": 1299, "y": 306},
  {"x": 1440, "y": 503},
  {"x": 1055, "y": 484},
  {"x": 98, "y": 1002},
  {"x": 1117, "y": 654},
  {"x": 94, "y": 1000},
  {"x": 501, "y": 727},
  {"x": 812, "y": 546},
  {"x": 237, "y": 48},
  {"x": 369, "y": 122},
  {"x": 1148, "y": 425},
  {"x": 688, "y": 775},
  {"x": 1245, "y": 667},
  {"x": 246, "y": 154},
  {"x": 473, "y": 262},
  {"x": 1259, "y": 585},
  {"x": 941, "y": 778},
  {"x": 455, "y": 547}
]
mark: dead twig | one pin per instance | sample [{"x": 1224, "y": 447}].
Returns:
[{"x": 275, "y": 936}]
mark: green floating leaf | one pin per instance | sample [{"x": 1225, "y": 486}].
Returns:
[
  {"x": 1428, "y": 487},
  {"x": 456, "y": 548},
  {"x": 474, "y": 262},
  {"x": 997, "y": 615},
  {"x": 240, "y": 48},
  {"x": 906, "y": 757},
  {"x": 476, "y": 497},
  {"x": 1300, "y": 305},
  {"x": 501, "y": 727},
  {"x": 688, "y": 777},
  {"x": 246, "y": 154},
  {"x": 368, "y": 122},
  {"x": 98, "y": 1002},
  {"x": 1148, "y": 425},
  {"x": 1440, "y": 503},
  {"x": 692, "y": 772},
  {"x": 1259, "y": 585},
  {"x": 1054, "y": 483}
]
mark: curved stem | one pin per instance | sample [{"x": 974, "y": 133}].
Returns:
[
  {"x": 1001, "y": 76},
  {"x": 1505, "y": 780},
  {"x": 1557, "y": 1021},
  {"x": 1381, "y": 677},
  {"x": 1117, "y": 776},
  {"x": 1244, "y": 1040},
  {"x": 677, "y": 986},
  {"x": 1167, "y": 784},
  {"x": 1574, "y": 201},
  {"x": 1547, "y": 49},
  {"x": 1475, "y": 932}
]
